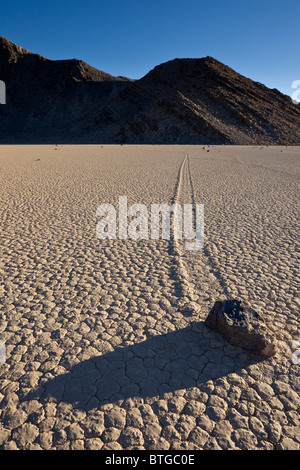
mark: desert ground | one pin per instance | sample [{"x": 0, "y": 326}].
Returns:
[{"x": 106, "y": 346}]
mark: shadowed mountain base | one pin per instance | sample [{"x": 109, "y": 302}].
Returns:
[{"x": 183, "y": 101}]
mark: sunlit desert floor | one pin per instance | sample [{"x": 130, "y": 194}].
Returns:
[{"x": 106, "y": 346}]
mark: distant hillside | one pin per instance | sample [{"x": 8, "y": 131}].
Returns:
[{"x": 183, "y": 101}]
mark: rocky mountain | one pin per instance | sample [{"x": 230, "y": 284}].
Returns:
[{"x": 183, "y": 101}]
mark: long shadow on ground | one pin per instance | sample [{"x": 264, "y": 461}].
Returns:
[{"x": 165, "y": 363}]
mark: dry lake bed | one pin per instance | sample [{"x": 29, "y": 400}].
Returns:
[{"x": 103, "y": 341}]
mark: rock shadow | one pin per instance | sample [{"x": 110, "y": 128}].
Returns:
[{"x": 161, "y": 364}]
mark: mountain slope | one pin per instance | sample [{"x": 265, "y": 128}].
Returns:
[{"x": 197, "y": 101}]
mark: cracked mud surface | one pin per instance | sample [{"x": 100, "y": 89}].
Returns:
[{"x": 101, "y": 351}]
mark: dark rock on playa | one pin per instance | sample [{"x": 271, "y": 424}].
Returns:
[{"x": 241, "y": 326}]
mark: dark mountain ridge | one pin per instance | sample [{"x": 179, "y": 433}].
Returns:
[{"x": 183, "y": 101}]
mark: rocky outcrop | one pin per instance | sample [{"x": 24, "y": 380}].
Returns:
[
  {"x": 183, "y": 101},
  {"x": 241, "y": 326}
]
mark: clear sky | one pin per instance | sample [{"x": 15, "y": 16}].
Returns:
[{"x": 257, "y": 38}]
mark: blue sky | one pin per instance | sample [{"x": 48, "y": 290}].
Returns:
[{"x": 259, "y": 39}]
